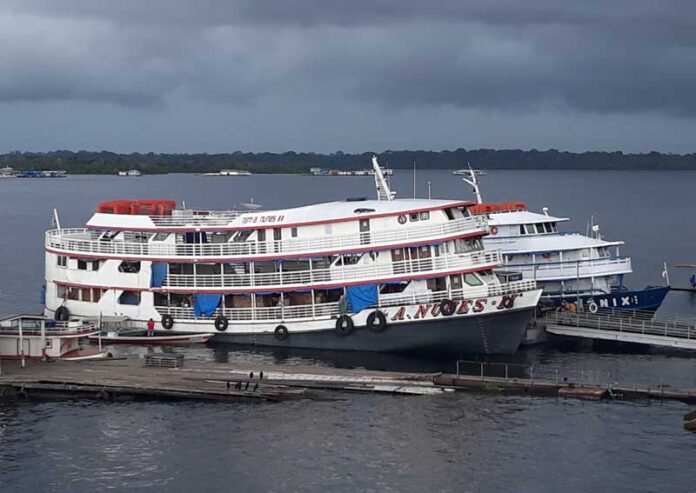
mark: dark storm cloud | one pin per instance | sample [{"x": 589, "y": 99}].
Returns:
[{"x": 621, "y": 57}]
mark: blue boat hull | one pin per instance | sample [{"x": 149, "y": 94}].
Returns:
[{"x": 648, "y": 299}]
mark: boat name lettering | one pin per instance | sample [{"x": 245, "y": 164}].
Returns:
[
  {"x": 263, "y": 219},
  {"x": 433, "y": 310}
]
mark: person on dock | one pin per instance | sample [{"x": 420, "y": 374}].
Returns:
[{"x": 150, "y": 328}]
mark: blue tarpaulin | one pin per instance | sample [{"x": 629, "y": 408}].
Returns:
[
  {"x": 205, "y": 304},
  {"x": 693, "y": 280},
  {"x": 159, "y": 272},
  {"x": 361, "y": 297}
]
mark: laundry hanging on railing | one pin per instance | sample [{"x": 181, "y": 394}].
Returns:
[
  {"x": 360, "y": 297},
  {"x": 159, "y": 272},
  {"x": 206, "y": 304}
]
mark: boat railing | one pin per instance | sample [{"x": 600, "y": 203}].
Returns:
[
  {"x": 342, "y": 273},
  {"x": 575, "y": 268},
  {"x": 324, "y": 310},
  {"x": 85, "y": 241},
  {"x": 189, "y": 217},
  {"x": 33, "y": 328}
]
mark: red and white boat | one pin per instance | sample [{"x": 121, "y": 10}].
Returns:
[{"x": 36, "y": 337}]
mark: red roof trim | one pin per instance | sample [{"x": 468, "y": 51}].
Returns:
[{"x": 283, "y": 225}]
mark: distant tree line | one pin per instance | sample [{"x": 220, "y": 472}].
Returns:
[{"x": 104, "y": 162}]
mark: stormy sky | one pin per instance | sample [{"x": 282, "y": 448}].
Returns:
[{"x": 317, "y": 75}]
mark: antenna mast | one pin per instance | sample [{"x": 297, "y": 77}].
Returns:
[
  {"x": 383, "y": 190},
  {"x": 473, "y": 181}
]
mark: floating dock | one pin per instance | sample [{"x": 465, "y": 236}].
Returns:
[{"x": 130, "y": 378}]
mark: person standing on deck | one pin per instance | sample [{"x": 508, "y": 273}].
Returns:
[{"x": 150, "y": 328}]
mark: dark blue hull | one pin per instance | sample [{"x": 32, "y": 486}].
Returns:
[{"x": 648, "y": 299}]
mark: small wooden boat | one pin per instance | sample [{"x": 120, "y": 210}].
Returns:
[{"x": 141, "y": 337}]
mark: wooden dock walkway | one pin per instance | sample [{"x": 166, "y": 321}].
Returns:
[
  {"x": 623, "y": 328},
  {"x": 121, "y": 379}
]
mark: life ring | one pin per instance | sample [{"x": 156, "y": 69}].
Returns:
[
  {"x": 344, "y": 325},
  {"x": 376, "y": 321},
  {"x": 281, "y": 333},
  {"x": 447, "y": 307},
  {"x": 402, "y": 218},
  {"x": 167, "y": 321},
  {"x": 62, "y": 314},
  {"x": 221, "y": 323},
  {"x": 592, "y": 307},
  {"x": 494, "y": 230}
]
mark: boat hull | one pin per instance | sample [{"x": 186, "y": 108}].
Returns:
[
  {"x": 153, "y": 340},
  {"x": 485, "y": 334},
  {"x": 648, "y": 299}
]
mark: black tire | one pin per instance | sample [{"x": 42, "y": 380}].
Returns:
[
  {"x": 62, "y": 314},
  {"x": 221, "y": 323},
  {"x": 344, "y": 325},
  {"x": 376, "y": 321},
  {"x": 447, "y": 307},
  {"x": 167, "y": 321},
  {"x": 281, "y": 333}
]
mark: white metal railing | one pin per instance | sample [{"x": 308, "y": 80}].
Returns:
[
  {"x": 86, "y": 242},
  {"x": 327, "y": 310},
  {"x": 56, "y": 328},
  {"x": 574, "y": 268},
  {"x": 618, "y": 323},
  {"x": 343, "y": 273}
]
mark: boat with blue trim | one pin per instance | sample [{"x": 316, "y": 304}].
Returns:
[{"x": 571, "y": 267}]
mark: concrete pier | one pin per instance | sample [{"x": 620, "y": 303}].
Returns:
[{"x": 120, "y": 379}]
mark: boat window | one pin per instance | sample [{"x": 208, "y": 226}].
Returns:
[
  {"x": 554, "y": 228},
  {"x": 277, "y": 234},
  {"x": 522, "y": 230},
  {"x": 425, "y": 215},
  {"x": 96, "y": 294},
  {"x": 437, "y": 284},
  {"x": 293, "y": 232},
  {"x": 449, "y": 213},
  {"x": 74, "y": 294},
  {"x": 208, "y": 269},
  {"x": 548, "y": 228},
  {"x": 81, "y": 264},
  {"x": 261, "y": 234},
  {"x": 472, "y": 280},
  {"x": 539, "y": 228},
  {"x": 465, "y": 211},
  {"x": 129, "y": 267},
  {"x": 242, "y": 235},
  {"x": 456, "y": 281},
  {"x": 96, "y": 264},
  {"x": 129, "y": 298},
  {"x": 393, "y": 288},
  {"x": 413, "y": 217},
  {"x": 62, "y": 261},
  {"x": 327, "y": 295},
  {"x": 61, "y": 291},
  {"x": 160, "y": 236},
  {"x": 86, "y": 295}
]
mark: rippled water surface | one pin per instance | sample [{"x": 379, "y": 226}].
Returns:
[{"x": 455, "y": 442}]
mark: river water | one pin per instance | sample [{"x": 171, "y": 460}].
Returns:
[{"x": 456, "y": 442}]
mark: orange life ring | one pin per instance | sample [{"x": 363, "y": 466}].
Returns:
[{"x": 494, "y": 230}]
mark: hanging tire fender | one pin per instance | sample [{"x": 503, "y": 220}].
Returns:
[
  {"x": 447, "y": 307},
  {"x": 221, "y": 323},
  {"x": 167, "y": 321},
  {"x": 62, "y": 314},
  {"x": 344, "y": 325},
  {"x": 281, "y": 333},
  {"x": 376, "y": 321}
]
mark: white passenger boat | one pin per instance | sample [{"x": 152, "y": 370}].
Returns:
[
  {"x": 35, "y": 337},
  {"x": 571, "y": 267},
  {"x": 130, "y": 172},
  {"x": 373, "y": 275}
]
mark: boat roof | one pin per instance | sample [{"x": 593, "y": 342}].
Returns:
[
  {"x": 547, "y": 243},
  {"x": 522, "y": 217},
  {"x": 321, "y": 213}
]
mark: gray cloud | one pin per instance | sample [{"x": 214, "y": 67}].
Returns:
[{"x": 592, "y": 58}]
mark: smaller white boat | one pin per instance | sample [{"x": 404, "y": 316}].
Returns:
[
  {"x": 130, "y": 172},
  {"x": 229, "y": 172},
  {"x": 251, "y": 205},
  {"x": 37, "y": 337},
  {"x": 141, "y": 337},
  {"x": 467, "y": 172}
]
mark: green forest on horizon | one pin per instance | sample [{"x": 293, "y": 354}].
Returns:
[{"x": 104, "y": 162}]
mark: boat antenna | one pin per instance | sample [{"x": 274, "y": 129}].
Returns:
[
  {"x": 473, "y": 181},
  {"x": 55, "y": 221},
  {"x": 414, "y": 179},
  {"x": 383, "y": 190},
  {"x": 430, "y": 190}
]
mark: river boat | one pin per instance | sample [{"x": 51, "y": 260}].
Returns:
[
  {"x": 571, "y": 267},
  {"x": 371, "y": 275},
  {"x": 51, "y": 173},
  {"x": 130, "y": 172},
  {"x": 37, "y": 337},
  {"x": 7, "y": 173}
]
